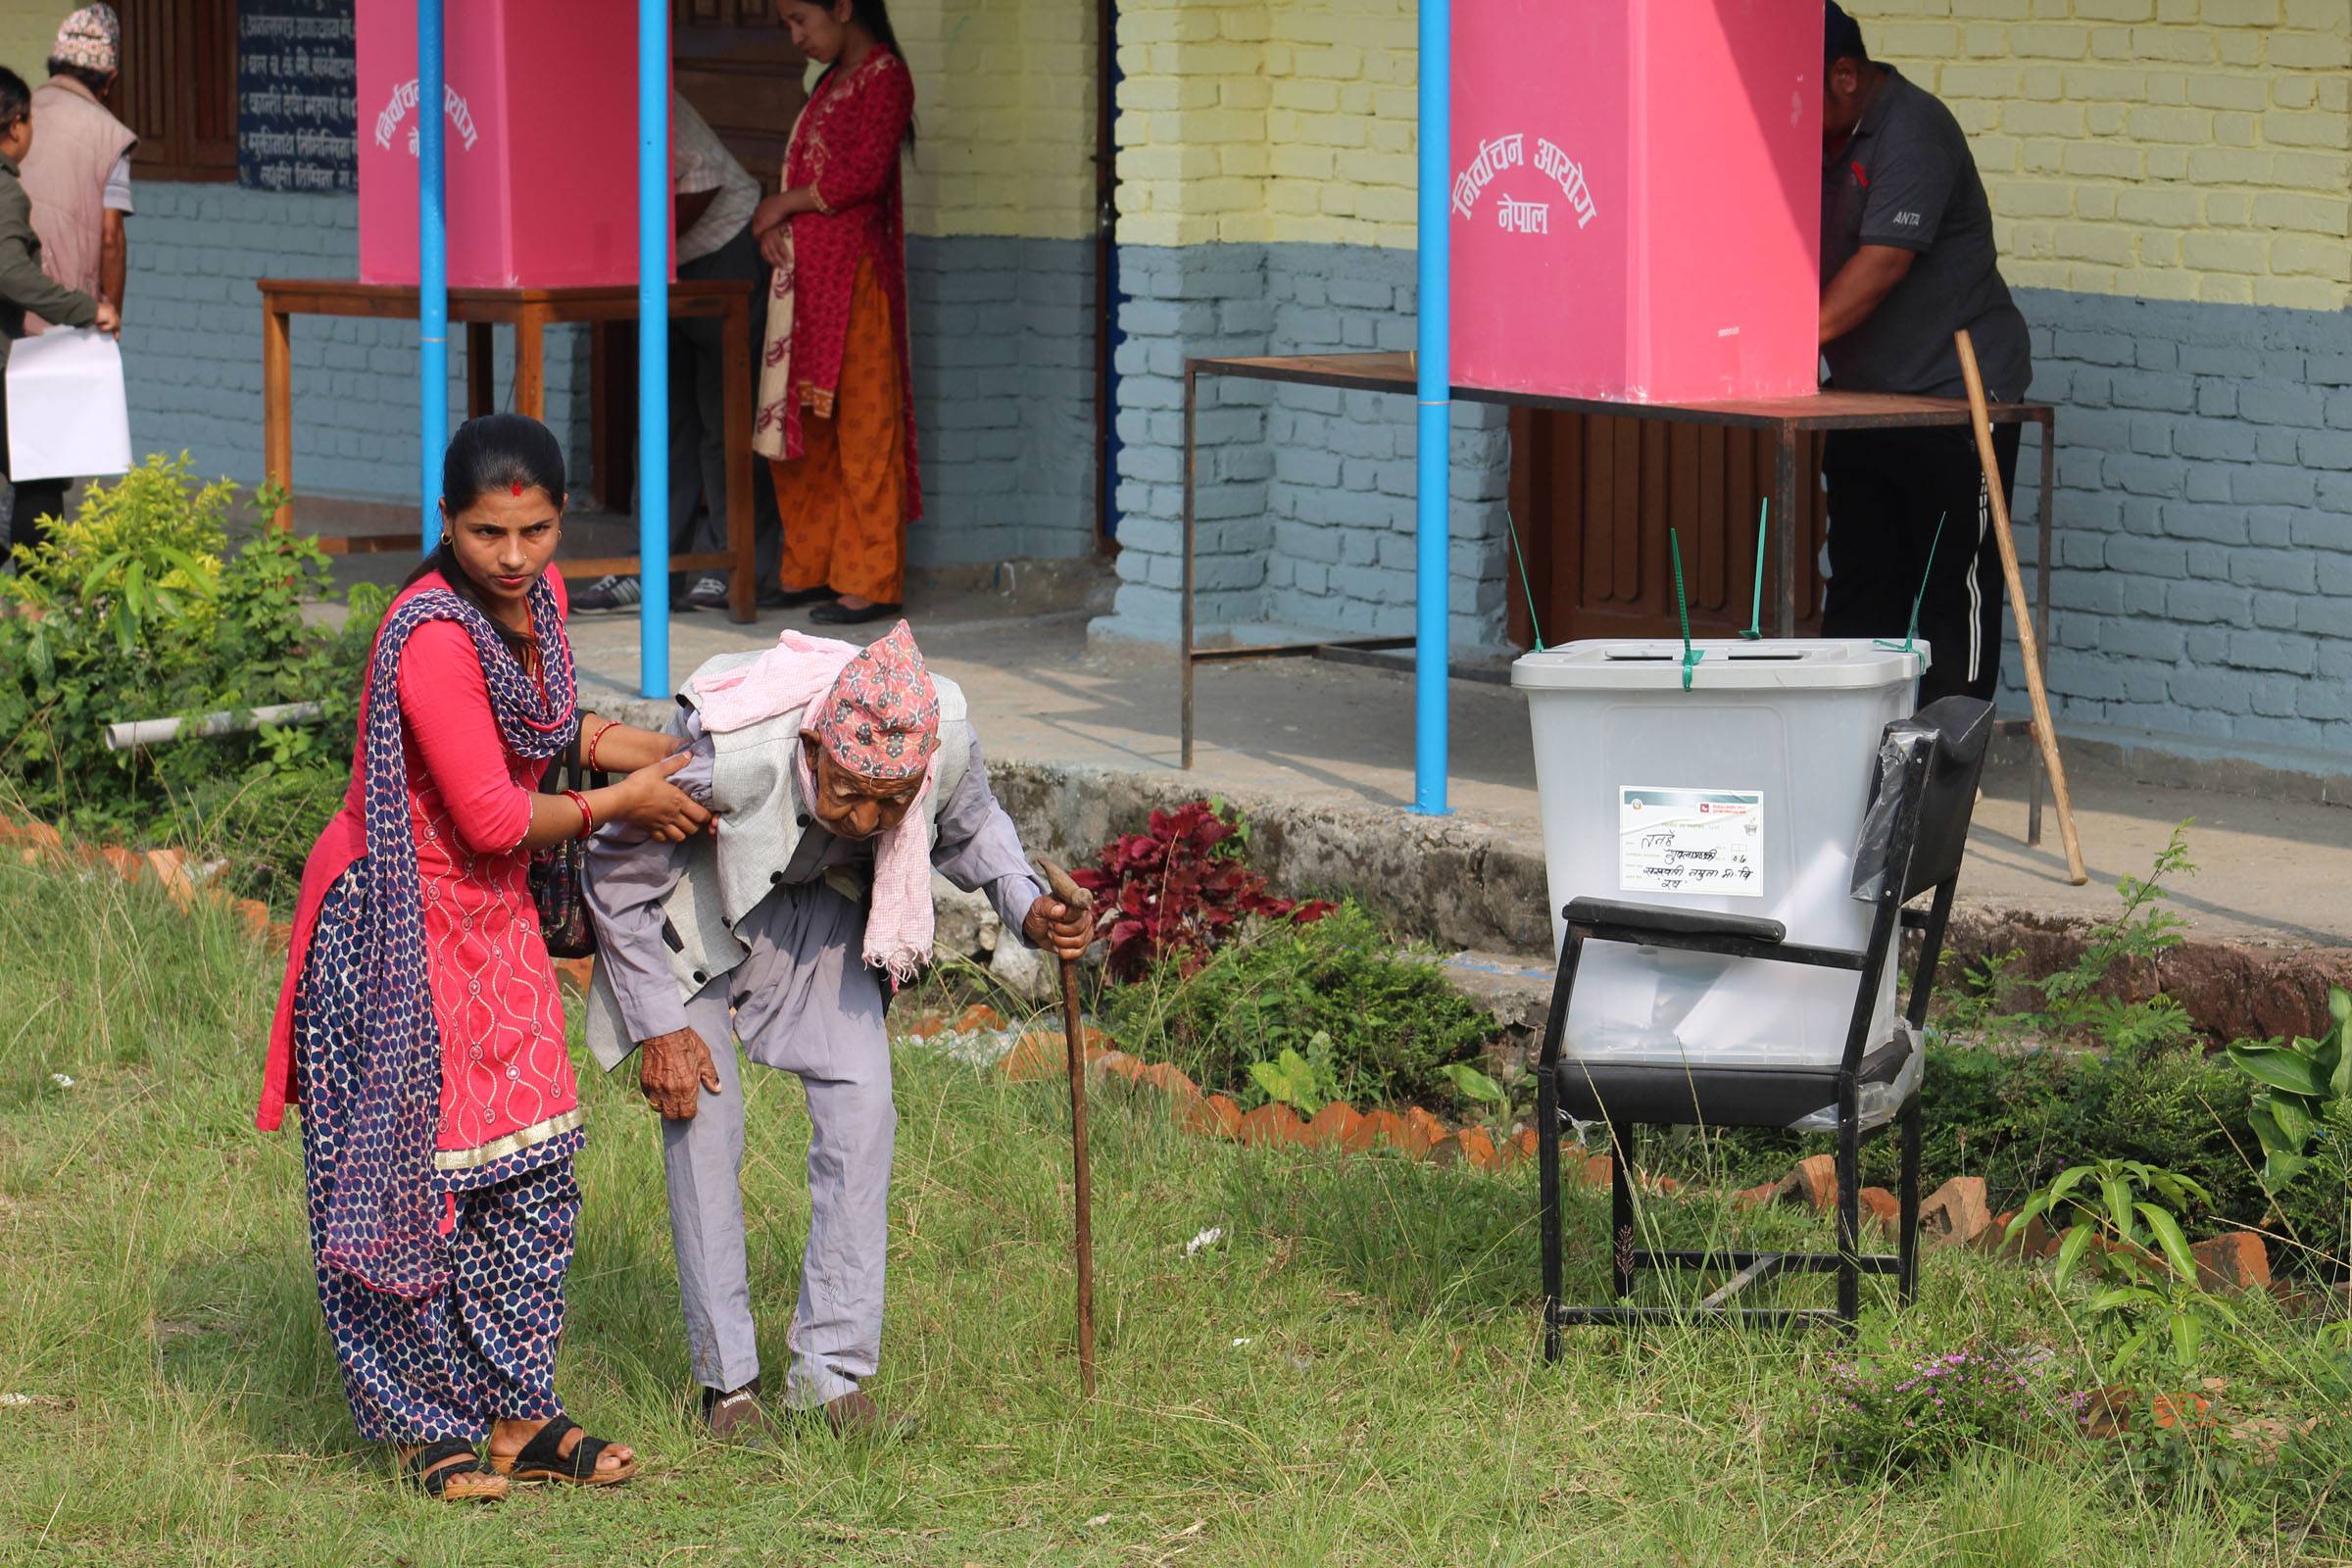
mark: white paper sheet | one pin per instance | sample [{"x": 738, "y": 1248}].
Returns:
[{"x": 67, "y": 414}]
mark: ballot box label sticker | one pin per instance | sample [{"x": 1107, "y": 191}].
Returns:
[{"x": 1691, "y": 841}]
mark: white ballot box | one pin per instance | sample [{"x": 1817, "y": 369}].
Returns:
[
  {"x": 67, "y": 414},
  {"x": 1742, "y": 794}
]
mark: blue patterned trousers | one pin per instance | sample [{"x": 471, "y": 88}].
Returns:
[{"x": 483, "y": 1346}]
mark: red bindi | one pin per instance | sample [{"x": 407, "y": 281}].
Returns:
[{"x": 517, "y": 487}]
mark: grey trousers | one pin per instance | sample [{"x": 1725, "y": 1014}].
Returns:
[
  {"x": 698, "y": 451},
  {"x": 836, "y": 1334}
]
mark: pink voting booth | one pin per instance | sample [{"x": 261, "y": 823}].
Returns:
[
  {"x": 541, "y": 128},
  {"x": 1636, "y": 197}
]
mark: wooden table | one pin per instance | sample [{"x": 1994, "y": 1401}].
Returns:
[
  {"x": 1786, "y": 419},
  {"x": 529, "y": 312}
]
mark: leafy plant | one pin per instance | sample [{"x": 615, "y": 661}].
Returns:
[
  {"x": 1914, "y": 1409},
  {"x": 2073, "y": 1002},
  {"x": 139, "y": 607},
  {"x": 1339, "y": 985},
  {"x": 1306, "y": 1086},
  {"x": 2301, "y": 1080},
  {"x": 2141, "y": 1240},
  {"x": 1174, "y": 893}
]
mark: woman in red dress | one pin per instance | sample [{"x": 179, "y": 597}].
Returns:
[
  {"x": 419, "y": 1026},
  {"x": 836, "y": 416}
]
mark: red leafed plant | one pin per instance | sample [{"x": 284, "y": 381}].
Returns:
[{"x": 1172, "y": 892}]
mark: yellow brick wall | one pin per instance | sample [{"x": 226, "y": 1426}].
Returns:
[
  {"x": 1267, "y": 119},
  {"x": 1004, "y": 109},
  {"x": 2168, "y": 149},
  {"x": 28, "y": 27}
]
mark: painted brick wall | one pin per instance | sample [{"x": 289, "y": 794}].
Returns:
[
  {"x": 2168, "y": 149},
  {"x": 2203, "y": 580},
  {"x": 1253, "y": 122},
  {"x": 1003, "y": 393},
  {"x": 1004, "y": 108},
  {"x": 1003, "y": 340},
  {"x": 192, "y": 345},
  {"x": 1303, "y": 498}
]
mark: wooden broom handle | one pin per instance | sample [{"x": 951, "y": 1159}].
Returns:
[{"x": 2028, "y": 644}]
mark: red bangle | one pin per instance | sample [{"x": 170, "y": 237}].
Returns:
[
  {"x": 587, "y": 816},
  {"x": 596, "y": 740}
]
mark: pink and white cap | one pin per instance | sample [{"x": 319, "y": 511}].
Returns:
[
  {"x": 92, "y": 39},
  {"x": 881, "y": 718}
]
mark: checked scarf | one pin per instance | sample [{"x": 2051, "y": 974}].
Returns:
[{"x": 382, "y": 1224}]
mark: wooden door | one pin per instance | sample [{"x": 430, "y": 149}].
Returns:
[
  {"x": 1592, "y": 499},
  {"x": 734, "y": 61}
]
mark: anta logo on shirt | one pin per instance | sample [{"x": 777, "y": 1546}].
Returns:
[{"x": 1905, "y": 219}]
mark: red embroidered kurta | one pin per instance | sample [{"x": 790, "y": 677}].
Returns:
[
  {"x": 505, "y": 1070},
  {"x": 848, "y": 146}
]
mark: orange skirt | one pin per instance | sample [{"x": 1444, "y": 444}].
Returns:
[{"x": 844, "y": 499}]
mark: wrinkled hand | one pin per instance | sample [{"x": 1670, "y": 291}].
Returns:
[
  {"x": 1059, "y": 928},
  {"x": 109, "y": 320},
  {"x": 671, "y": 1068},
  {"x": 775, "y": 246},
  {"x": 664, "y": 810}
]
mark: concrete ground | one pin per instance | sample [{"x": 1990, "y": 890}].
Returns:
[{"x": 1335, "y": 741}]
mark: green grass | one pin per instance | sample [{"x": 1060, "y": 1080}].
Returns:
[{"x": 1349, "y": 1377}]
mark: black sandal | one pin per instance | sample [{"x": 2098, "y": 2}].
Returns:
[
  {"x": 838, "y": 614},
  {"x": 465, "y": 1481},
  {"x": 543, "y": 1459}
]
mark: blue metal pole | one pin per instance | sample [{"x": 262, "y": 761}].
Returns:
[
  {"x": 432, "y": 271},
  {"x": 1432, "y": 452},
  {"x": 653, "y": 346}
]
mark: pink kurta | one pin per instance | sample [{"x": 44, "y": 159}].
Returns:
[
  {"x": 506, "y": 1077},
  {"x": 847, "y": 145}
]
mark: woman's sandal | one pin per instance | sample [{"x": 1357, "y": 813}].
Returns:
[
  {"x": 467, "y": 1480},
  {"x": 542, "y": 1459}
]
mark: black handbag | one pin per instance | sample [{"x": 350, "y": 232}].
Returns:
[{"x": 558, "y": 874}]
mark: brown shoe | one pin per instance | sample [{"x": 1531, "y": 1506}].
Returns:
[
  {"x": 855, "y": 1416},
  {"x": 736, "y": 1417}
]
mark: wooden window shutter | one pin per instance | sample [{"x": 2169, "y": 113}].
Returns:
[{"x": 179, "y": 87}]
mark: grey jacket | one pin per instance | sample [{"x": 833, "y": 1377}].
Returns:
[{"x": 23, "y": 287}]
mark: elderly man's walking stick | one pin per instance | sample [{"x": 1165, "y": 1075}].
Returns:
[
  {"x": 1073, "y": 1032},
  {"x": 2028, "y": 644}
]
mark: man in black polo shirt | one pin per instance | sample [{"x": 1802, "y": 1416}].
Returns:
[{"x": 1906, "y": 260}]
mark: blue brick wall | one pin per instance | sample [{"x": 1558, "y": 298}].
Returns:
[
  {"x": 1001, "y": 337},
  {"x": 1002, "y": 350},
  {"x": 1303, "y": 496},
  {"x": 2203, "y": 544},
  {"x": 192, "y": 346}
]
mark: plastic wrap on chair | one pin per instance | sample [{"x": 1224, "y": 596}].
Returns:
[
  {"x": 1877, "y": 837},
  {"x": 1878, "y": 1103}
]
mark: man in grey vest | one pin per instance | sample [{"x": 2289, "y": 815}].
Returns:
[{"x": 838, "y": 784}]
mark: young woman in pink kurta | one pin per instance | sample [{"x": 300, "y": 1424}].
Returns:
[
  {"x": 836, "y": 413},
  {"x": 419, "y": 1027}
]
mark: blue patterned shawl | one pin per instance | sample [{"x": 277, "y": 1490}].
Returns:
[{"x": 382, "y": 1225}]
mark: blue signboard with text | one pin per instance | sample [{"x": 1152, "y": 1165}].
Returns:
[{"x": 298, "y": 110}]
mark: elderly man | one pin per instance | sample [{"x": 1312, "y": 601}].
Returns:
[
  {"x": 28, "y": 290},
  {"x": 78, "y": 175},
  {"x": 839, "y": 780}
]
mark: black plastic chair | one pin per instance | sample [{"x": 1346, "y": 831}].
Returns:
[{"x": 1932, "y": 760}]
